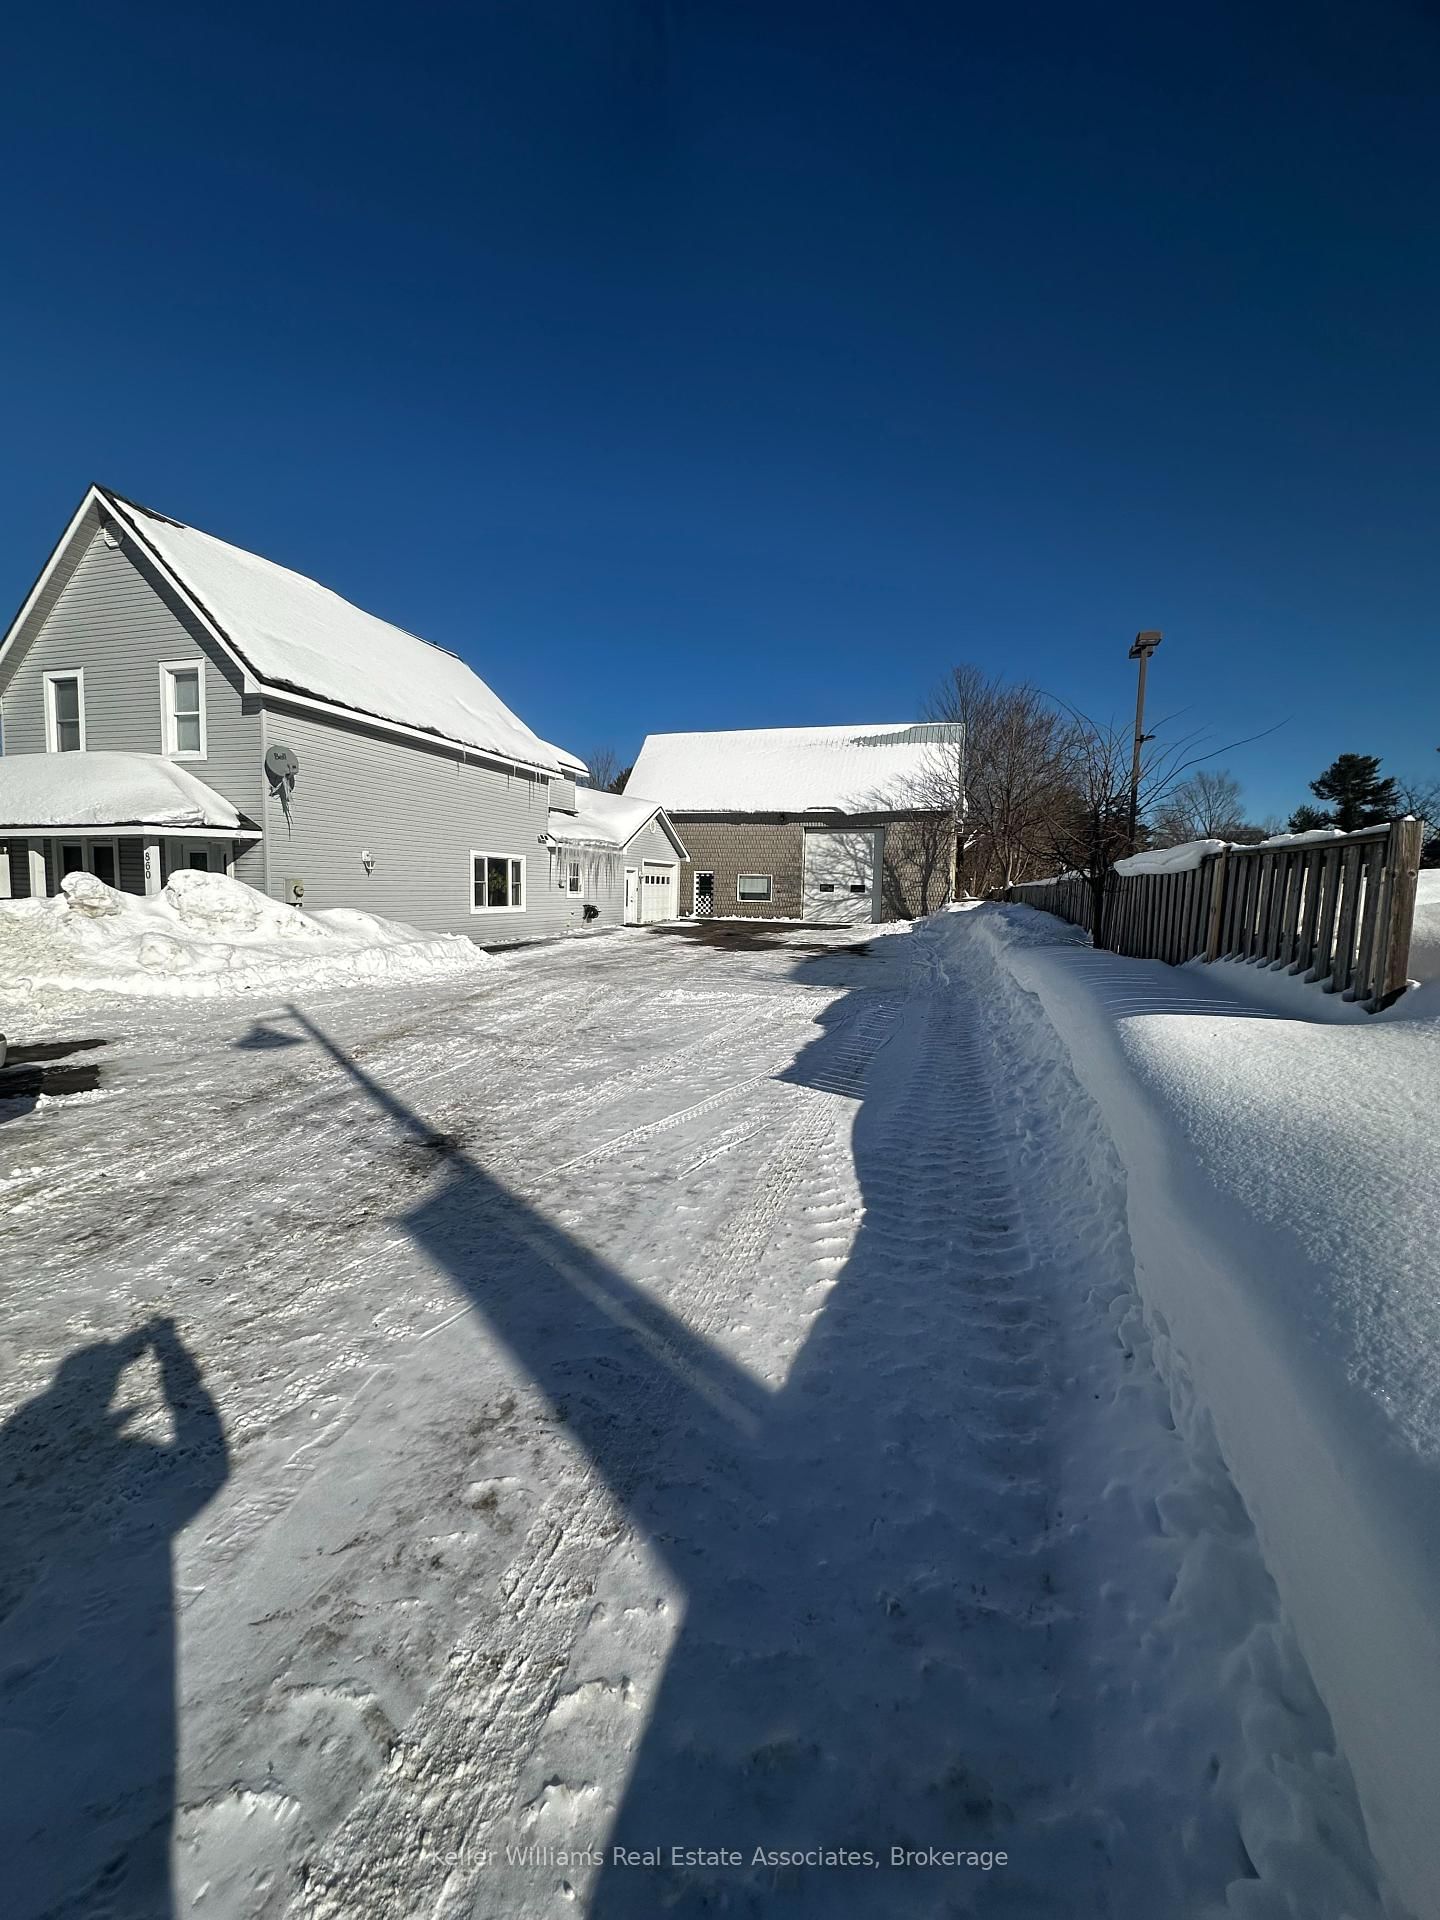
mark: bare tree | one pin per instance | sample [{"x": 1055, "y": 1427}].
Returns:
[
  {"x": 608, "y": 772},
  {"x": 1204, "y": 807},
  {"x": 1094, "y": 827},
  {"x": 1007, "y": 779},
  {"x": 1422, "y": 798}
]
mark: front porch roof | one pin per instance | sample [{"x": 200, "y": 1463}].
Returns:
[{"x": 123, "y": 795}]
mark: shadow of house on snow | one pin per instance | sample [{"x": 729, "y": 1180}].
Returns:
[
  {"x": 826, "y": 1690},
  {"x": 87, "y": 1629}
]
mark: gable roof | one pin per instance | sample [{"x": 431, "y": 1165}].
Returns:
[
  {"x": 855, "y": 769},
  {"x": 293, "y": 635},
  {"x": 609, "y": 820}
]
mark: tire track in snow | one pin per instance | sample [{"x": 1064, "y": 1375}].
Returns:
[{"x": 440, "y": 1801}]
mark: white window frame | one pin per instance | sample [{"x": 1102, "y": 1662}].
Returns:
[
  {"x": 168, "y": 725},
  {"x": 766, "y": 899},
  {"x": 512, "y": 861},
  {"x": 52, "y": 730},
  {"x": 574, "y": 881}
]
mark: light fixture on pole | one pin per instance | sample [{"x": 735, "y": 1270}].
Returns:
[{"x": 1145, "y": 645}]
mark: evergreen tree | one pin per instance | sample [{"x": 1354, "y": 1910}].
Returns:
[
  {"x": 1307, "y": 819},
  {"x": 1358, "y": 796}
]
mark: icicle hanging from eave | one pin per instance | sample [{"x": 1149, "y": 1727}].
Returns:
[{"x": 600, "y": 867}]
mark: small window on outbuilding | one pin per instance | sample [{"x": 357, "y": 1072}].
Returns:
[{"x": 754, "y": 886}]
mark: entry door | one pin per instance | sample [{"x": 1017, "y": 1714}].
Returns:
[
  {"x": 704, "y": 895},
  {"x": 840, "y": 874},
  {"x": 632, "y": 896}
]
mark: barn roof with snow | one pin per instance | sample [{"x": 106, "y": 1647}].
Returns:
[
  {"x": 867, "y": 768},
  {"x": 291, "y": 634}
]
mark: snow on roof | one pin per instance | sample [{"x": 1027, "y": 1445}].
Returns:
[
  {"x": 294, "y": 633},
  {"x": 106, "y": 790},
  {"x": 856, "y": 769},
  {"x": 604, "y": 819}
]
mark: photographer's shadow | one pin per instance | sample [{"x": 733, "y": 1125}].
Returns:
[{"x": 87, "y": 1631}]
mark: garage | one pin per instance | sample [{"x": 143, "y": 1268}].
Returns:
[
  {"x": 840, "y": 874},
  {"x": 659, "y": 892}
]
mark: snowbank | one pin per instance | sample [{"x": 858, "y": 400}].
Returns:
[
  {"x": 106, "y": 790},
  {"x": 206, "y": 934},
  {"x": 1171, "y": 859},
  {"x": 1283, "y": 1208},
  {"x": 1425, "y": 939}
]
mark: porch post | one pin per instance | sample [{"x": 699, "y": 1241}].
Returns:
[
  {"x": 35, "y": 854},
  {"x": 4, "y": 870},
  {"x": 151, "y": 855}
]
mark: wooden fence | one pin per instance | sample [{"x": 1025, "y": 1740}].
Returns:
[{"x": 1337, "y": 912}]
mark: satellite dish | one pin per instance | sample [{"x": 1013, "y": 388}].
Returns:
[{"x": 281, "y": 766}]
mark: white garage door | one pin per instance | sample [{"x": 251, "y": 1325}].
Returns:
[
  {"x": 659, "y": 892},
  {"x": 840, "y": 874}
]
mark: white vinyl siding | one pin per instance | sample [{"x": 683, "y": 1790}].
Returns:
[
  {"x": 182, "y": 709},
  {"x": 65, "y": 711},
  {"x": 497, "y": 883}
]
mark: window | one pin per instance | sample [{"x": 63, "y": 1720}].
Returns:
[
  {"x": 104, "y": 862},
  {"x": 572, "y": 877},
  {"x": 497, "y": 883},
  {"x": 72, "y": 858},
  {"x": 65, "y": 712},
  {"x": 753, "y": 886},
  {"x": 182, "y": 703}
]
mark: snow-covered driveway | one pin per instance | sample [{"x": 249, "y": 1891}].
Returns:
[{"x": 679, "y": 1392}]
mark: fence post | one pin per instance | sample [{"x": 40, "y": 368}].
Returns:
[
  {"x": 1217, "y": 901},
  {"x": 1402, "y": 868}
]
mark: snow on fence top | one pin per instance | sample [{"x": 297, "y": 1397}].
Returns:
[
  {"x": 107, "y": 790},
  {"x": 1171, "y": 859},
  {"x": 604, "y": 819},
  {"x": 876, "y": 768},
  {"x": 292, "y": 632}
]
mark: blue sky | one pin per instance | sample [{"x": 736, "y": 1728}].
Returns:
[{"x": 750, "y": 362}]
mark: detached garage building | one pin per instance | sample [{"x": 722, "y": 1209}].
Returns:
[{"x": 826, "y": 824}]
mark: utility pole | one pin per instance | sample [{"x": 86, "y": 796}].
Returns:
[{"x": 1145, "y": 645}]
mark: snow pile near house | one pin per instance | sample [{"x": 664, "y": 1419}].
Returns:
[
  {"x": 206, "y": 934},
  {"x": 1284, "y": 1206},
  {"x": 1171, "y": 859},
  {"x": 106, "y": 790}
]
